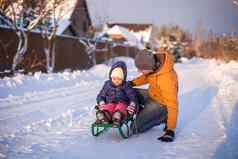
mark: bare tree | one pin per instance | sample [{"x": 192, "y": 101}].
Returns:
[
  {"x": 16, "y": 14},
  {"x": 55, "y": 15},
  {"x": 199, "y": 37}
]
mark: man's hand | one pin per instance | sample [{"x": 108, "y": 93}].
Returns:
[
  {"x": 131, "y": 83},
  {"x": 131, "y": 109}
]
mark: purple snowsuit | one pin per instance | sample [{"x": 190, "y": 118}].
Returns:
[{"x": 117, "y": 94}]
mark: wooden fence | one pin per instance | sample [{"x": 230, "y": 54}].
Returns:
[{"x": 70, "y": 52}]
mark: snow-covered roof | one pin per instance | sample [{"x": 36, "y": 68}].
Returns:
[
  {"x": 120, "y": 32},
  {"x": 63, "y": 12},
  {"x": 141, "y": 31},
  {"x": 62, "y": 26}
]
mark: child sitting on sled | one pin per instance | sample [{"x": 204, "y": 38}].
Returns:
[{"x": 117, "y": 98}]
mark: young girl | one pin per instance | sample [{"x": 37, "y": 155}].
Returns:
[{"x": 117, "y": 98}]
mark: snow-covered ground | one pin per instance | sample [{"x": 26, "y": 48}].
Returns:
[{"x": 48, "y": 116}]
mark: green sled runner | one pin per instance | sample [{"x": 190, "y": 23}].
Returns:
[{"x": 123, "y": 128}]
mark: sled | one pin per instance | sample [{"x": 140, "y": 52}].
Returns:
[{"x": 123, "y": 128}]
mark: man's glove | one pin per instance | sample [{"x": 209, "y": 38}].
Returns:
[
  {"x": 131, "y": 83},
  {"x": 131, "y": 109},
  {"x": 168, "y": 136}
]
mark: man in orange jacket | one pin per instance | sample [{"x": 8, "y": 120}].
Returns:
[{"x": 160, "y": 99}]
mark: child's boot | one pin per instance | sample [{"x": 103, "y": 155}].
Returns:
[
  {"x": 117, "y": 118},
  {"x": 102, "y": 117}
]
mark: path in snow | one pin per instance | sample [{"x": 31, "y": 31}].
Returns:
[{"x": 49, "y": 116}]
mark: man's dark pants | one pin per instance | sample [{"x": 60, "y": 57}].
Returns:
[{"x": 151, "y": 113}]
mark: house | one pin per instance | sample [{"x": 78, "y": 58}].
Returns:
[
  {"x": 80, "y": 21},
  {"x": 141, "y": 32}
]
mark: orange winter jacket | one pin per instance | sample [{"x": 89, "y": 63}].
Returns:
[{"x": 163, "y": 86}]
